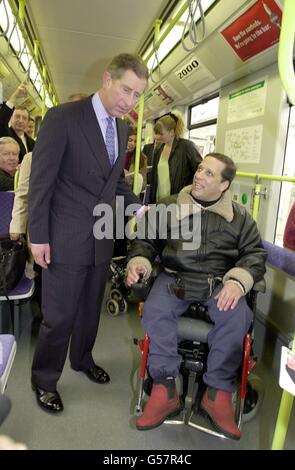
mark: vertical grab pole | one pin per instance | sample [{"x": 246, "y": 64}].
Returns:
[
  {"x": 256, "y": 199},
  {"x": 138, "y": 144},
  {"x": 283, "y": 417},
  {"x": 140, "y": 120},
  {"x": 44, "y": 74},
  {"x": 285, "y": 57},
  {"x": 286, "y": 69}
]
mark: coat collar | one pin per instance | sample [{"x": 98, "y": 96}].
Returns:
[{"x": 189, "y": 206}]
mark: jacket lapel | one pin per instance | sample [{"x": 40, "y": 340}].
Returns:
[
  {"x": 122, "y": 143},
  {"x": 92, "y": 132}
]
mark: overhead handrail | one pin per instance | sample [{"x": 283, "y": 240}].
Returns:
[
  {"x": 20, "y": 29},
  {"x": 191, "y": 26},
  {"x": 286, "y": 45},
  {"x": 165, "y": 33},
  {"x": 156, "y": 62},
  {"x": 4, "y": 33}
]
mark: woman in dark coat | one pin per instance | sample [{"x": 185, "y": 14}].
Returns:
[{"x": 175, "y": 161}]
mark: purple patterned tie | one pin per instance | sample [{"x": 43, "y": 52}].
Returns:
[{"x": 110, "y": 141}]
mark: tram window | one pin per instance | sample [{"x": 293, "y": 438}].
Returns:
[
  {"x": 287, "y": 196},
  {"x": 202, "y": 124},
  {"x": 204, "y": 138}
]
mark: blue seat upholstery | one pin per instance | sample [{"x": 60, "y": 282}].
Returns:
[{"x": 7, "y": 354}]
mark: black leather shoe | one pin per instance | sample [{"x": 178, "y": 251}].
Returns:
[
  {"x": 49, "y": 401},
  {"x": 97, "y": 374}
]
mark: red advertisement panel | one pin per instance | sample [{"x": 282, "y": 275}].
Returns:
[{"x": 256, "y": 30}]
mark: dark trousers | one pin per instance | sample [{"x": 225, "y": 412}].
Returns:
[
  {"x": 225, "y": 340},
  {"x": 71, "y": 302}
]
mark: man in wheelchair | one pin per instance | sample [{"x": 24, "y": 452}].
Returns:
[{"x": 218, "y": 268}]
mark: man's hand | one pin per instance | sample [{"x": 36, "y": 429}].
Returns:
[
  {"x": 6, "y": 443},
  {"x": 15, "y": 236},
  {"x": 20, "y": 92},
  {"x": 229, "y": 296},
  {"x": 141, "y": 211},
  {"x": 133, "y": 274},
  {"x": 41, "y": 254}
]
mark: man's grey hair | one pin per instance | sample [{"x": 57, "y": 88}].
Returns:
[
  {"x": 123, "y": 62},
  {"x": 9, "y": 140}
]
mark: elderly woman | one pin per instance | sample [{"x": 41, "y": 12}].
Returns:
[
  {"x": 175, "y": 160},
  {"x": 9, "y": 154}
]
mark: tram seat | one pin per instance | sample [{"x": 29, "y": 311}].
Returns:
[
  {"x": 193, "y": 329},
  {"x": 7, "y": 354},
  {"x": 25, "y": 287}
]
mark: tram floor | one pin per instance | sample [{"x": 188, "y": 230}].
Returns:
[{"x": 100, "y": 417}]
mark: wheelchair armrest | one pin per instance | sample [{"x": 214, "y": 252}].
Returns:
[{"x": 259, "y": 286}]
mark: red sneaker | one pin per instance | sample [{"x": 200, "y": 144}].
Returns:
[
  {"x": 217, "y": 405},
  {"x": 163, "y": 403}
]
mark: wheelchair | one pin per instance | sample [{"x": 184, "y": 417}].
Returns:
[
  {"x": 117, "y": 301},
  {"x": 193, "y": 329}
]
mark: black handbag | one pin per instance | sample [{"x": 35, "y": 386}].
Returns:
[{"x": 13, "y": 256}]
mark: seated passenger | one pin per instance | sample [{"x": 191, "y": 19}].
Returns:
[
  {"x": 9, "y": 154},
  {"x": 217, "y": 265},
  {"x": 19, "y": 224}
]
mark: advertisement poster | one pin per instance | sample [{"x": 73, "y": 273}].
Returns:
[{"x": 257, "y": 29}]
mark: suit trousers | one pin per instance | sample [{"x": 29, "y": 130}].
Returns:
[
  {"x": 71, "y": 302},
  {"x": 225, "y": 340}
]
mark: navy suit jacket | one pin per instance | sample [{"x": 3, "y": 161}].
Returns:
[{"x": 70, "y": 171}]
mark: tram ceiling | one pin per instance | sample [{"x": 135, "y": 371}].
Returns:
[{"x": 78, "y": 39}]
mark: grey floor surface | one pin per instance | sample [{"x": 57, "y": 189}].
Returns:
[{"x": 101, "y": 416}]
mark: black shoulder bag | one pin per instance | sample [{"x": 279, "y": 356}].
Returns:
[{"x": 13, "y": 256}]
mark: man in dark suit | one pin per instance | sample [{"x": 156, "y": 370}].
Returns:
[
  {"x": 18, "y": 116},
  {"x": 72, "y": 172}
]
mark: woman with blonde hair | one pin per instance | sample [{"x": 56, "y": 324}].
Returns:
[{"x": 175, "y": 160}]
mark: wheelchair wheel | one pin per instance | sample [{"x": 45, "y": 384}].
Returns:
[
  {"x": 116, "y": 295},
  {"x": 122, "y": 305},
  {"x": 113, "y": 307},
  {"x": 253, "y": 399}
]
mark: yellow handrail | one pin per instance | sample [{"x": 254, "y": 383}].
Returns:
[
  {"x": 159, "y": 40},
  {"x": 286, "y": 69},
  {"x": 138, "y": 144},
  {"x": 283, "y": 417},
  {"x": 257, "y": 192},
  {"x": 262, "y": 176},
  {"x": 285, "y": 57},
  {"x": 140, "y": 120},
  {"x": 15, "y": 180}
]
